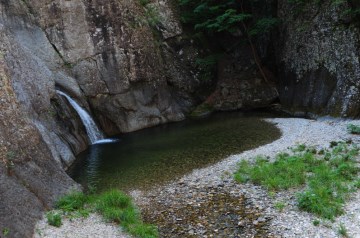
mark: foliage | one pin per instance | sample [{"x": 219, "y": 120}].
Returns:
[
  {"x": 6, "y": 231},
  {"x": 329, "y": 176},
  {"x": 54, "y": 218},
  {"x": 353, "y": 129},
  {"x": 207, "y": 66},
  {"x": 316, "y": 222},
  {"x": 285, "y": 172},
  {"x": 221, "y": 16},
  {"x": 114, "y": 205},
  {"x": 144, "y": 2},
  {"x": 72, "y": 202},
  {"x": 279, "y": 206},
  {"x": 342, "y": 231},
  {"x": 152, "y": 15},
  {"x": 231, "y": 17}
]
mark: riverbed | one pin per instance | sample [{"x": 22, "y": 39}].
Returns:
[{"x": 201, "y": 187}]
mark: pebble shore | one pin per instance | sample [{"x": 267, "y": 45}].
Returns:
[{"x": 209, "y": 203}]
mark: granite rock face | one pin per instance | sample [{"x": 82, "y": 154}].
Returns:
[
  {"x": 117, "y": 52},
  {"x": 30, "y": 178},
  {"x": 318, "y": 52},
  {"x": 111, "y": 57},
  {"x": 131, "y": 66}
]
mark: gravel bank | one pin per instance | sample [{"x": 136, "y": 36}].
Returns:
[
  {"x": 91, "y": 227},
  {"x": 252, "y": 213}
]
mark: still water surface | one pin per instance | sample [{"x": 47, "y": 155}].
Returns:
[{"x": 154, "y": 156}]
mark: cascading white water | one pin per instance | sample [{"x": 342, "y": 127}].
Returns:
[{"x": 93, "y": 132}]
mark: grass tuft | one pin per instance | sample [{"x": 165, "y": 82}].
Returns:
[
  {"x": 342, "y": 231},
  {"x": 113, "y": 205},
  {"x": 286, "y": 172},
  {"x": 143, "y": 230},
  {"x": 72, "y": 202},
  {"x": 353, "y": 129},
  {"x": 316, "y": 222},
  {"x": 280, "y": 206},
  {"x": 54, "y": 218},
  {"x": 329, "y": 177}
]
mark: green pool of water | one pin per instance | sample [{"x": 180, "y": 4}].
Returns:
[{"x": 140, "y": 160}]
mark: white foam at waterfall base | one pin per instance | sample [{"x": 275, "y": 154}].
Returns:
[
  {"x": 104, "y": 141},
  {"x": 93, "y": 132}
]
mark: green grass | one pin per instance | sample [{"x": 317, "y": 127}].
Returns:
[
  {"x": 5, "y": 231},
  {"x": 342, "y": 231},
  {"x": 353, "y": 129},
  {"x": 72, "y": 202},
  {"x": 54, "y": 218},
  {"x": 113, "y": 205},
  {"x": 285, "y": 172},
  {"x": 328, "y": 177},
  {"x": 316, "y": 222},
  {"x": 280, "y": 206}
]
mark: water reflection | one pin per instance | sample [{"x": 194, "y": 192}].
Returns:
[
  {"x": 92, "y": 166},
  {"x": 142, "y": 159}
]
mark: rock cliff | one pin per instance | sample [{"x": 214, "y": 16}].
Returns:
[
  {"x": 132, "y": 66},
  {"x": 30, "y": 178},
  {"x": 318, "y": 50},
  {"x": 118, "y": 59}
]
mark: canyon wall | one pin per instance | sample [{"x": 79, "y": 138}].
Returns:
[
  {"x": 128, "y": 69},
  {"x": 318, "y": 49},
  {"x": 132, "y": 66}
]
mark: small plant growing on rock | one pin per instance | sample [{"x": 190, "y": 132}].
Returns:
[
  {"x": 5, "y": 231},
  {"x": 54, "y": 218}
]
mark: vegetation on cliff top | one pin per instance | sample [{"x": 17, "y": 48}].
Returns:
[{"x": 247, "y": 20}]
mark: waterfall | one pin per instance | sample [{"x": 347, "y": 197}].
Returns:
[{"x": 93, "y": 132}]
